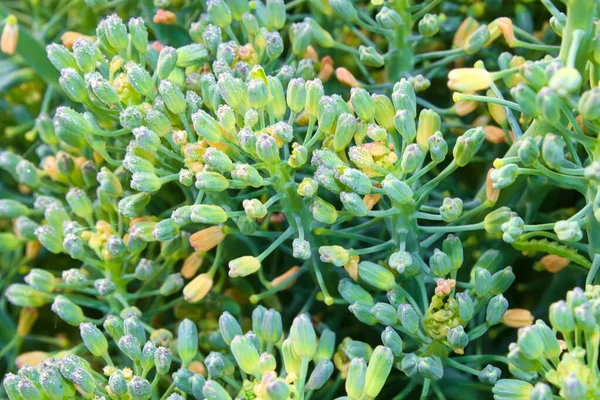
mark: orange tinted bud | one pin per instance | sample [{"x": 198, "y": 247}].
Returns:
[
  {"x": 468, "y": 26},
  {"x": 553, "y": 263},
  {"x": 493, "y": 134},
  {"x": 191, "y": 265},
  {"x": 490, "y": 193},
  {"x": 346, "y": 77},
  {"x": 326, "y": 69},
  {"x": 10, "y": 36},
  {"x": 517, "y": 318},
  {"x": 32, "y": 358},
  {"x": 68, "y": 38},
  {"x": 197, "y": 367},
  {"x": 164, "y": 17},
  {"x": 505, "y": 26},
  {"x": 371, "y": 199},
  {"x": 207, "y": 239},
  {"x": 444, "y": 287},
  {"x": 302, "y": 119},
  {"x": 156, "y": 45},
  {"x": 465, "y": 107},
  {"x": 283, "y": 277},
  {"x": 311, "y": 54}
]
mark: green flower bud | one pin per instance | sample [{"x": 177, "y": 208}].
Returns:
[
  {"x": 68, "y": 311},
  {"x": 314, "y": 92},
  {"x": 208, "y": 214},
  {"x": 451, "y": 209},
  {"x": 323, "y": 212},
  {"x": 440, "y": 263},
  {"x": 352, "y": 292},
  {"x": 60, "y": 56},
  {"x": 496, "y": 309},
  {"x": 512, "y": 229},
  {"x": 385, "y": 314},
  {"x": 102, "y": 88},
  {"x": 192, "y": 54},
  {"x": 25, "y": 296},
  {"x": 172, "y": 284},
  {"x": 117, "y": 383},
  {"x": 408, "y": 318},
  {"x": 549, "y": 105},
  {"x": 457, "y": 339},
  {"x": 187, "y": 341},
  {"x": 429, "y": 123},
  {"x": 197, "y": 381},
  {"x": 41, "y": 280},
  {"x": 51, "y": 382},
  {"x": 215, "y": 365},
  {"x": 296, "y": 95},
  {"x": 162, "y": 360},
  {"x": 405, "y": 125},
  {"x": 505, "y": 176},
  {"x": 84, "y": 380},
  {"x": 272, "y": 327},
  {"x": 73, "y": 85},
  {"x": 303, "y": 337},
  {"x": 277, "y": 389},
  {"x": 130, "y": 346},
  {"x": 357, "y": 180},
  {"x": 80, "y": 203},
  {"x": 541, "y": 391},
  {"x": 355, "y": 380},
  {"x": 589, "y": 104},
  {"x": 147, "y": 358},
  {"x": 320, "y": 375},
  {"x": 477, "y": 40},
  {"x": 438, "y": 148},
  {"x": 325, "y": 347},
  {"x": 482, "y": 279},
  {"x": 93, "y": 339},
  {"x": 181, "y": 378},
  {"x": 138, "y": 34},
  {"x": 211, "y": 181},
  {"x": 71, "y": 127},
  {"x": 534, "y": 74},
  {"x": 49, "y": 238},
  {"x": 466, "y": 307},
  {"x": 396, "y": 189},
  {"x": 409, "y": 364},
  {"x": 301, "y": 249},
  {"x": 511, "y": 389},
  {"x": 565, "y": 81},
  {"x": 362, "y": 103},
  {"x": 354, "y": 204},
  {"x": 362, "y": 312},
  {"x": 431, "y": 368},
  {"x": 502, "y": 280},
  {"x": 489, "y": 375},
  {"x": 561, "y": 317},
  {"x": 172, "y": 96},
  {"x": 113, "y": 325},
  {"x": 573, "y": 388},
  {"x": 276, "y": 14},
  {"x": 380, "y": 365},
  {"x": 376, "y": 275},
  {"x": 452, "y": 246},
  {"x": 569, "y": 231},
  {"x": 412, "y": 158},
  {"x": 219, "y": 13},
  {"x": 116, "y": 32},
  {"x": 429, "y": 25},
  {"x": 389, "y": 19},
  {"x": 467, "y": 145},
  {"x": 267, "y": 150},
  {"x": 400, "y": 261},
  {"x": 528, "y": 151},
  {"x": 345, "y": 9},
  {"x": 321, "y": 36},
  {"x": 213, "y": 391},
  {"x": 493, "y": 221},
  {"x": 133, "y": 326},
  {"x": 335, "y": 255},
  {"x": 245, "y": 354},
  {"x": 530, "y": 342},
  {"x": 139, "y": 388},
  {"x": 403, "y": 100},
  {"x": 526, "y": 98}
]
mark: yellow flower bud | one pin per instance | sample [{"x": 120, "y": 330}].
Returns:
[
  {"x": 351, "y": 267},
  {"x": 10, "y": 36},
  {"x": 505, "y": 26},
  {"x": 27, "y": 317},
  {"x": 207, "y": 239},
  {"x": 469, "y": 79},
  {"x": 517, "y": 318},
  {"x": 465, "y": 107},
  {"x": 197, "y": 367},
  {"x": 371, "y": 200},
  {"x": 466, "y": 28},
  {"x": 32, "y": 358},
  {"x": 69, "y": 37},
  {"x": 198, "y": 288}
]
